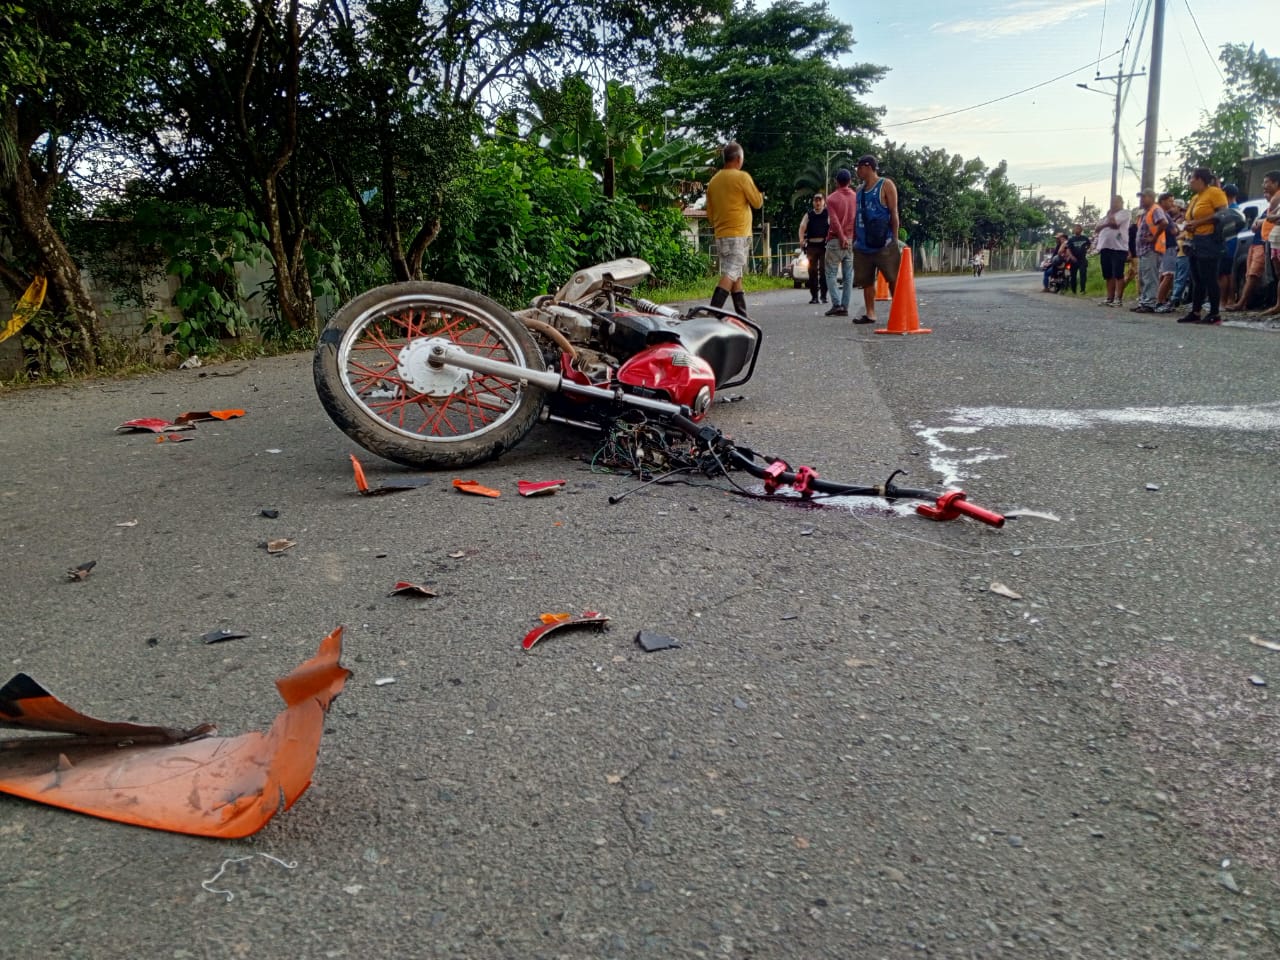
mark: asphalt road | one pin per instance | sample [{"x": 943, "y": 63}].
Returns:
[{"x": 864, "y": 747}]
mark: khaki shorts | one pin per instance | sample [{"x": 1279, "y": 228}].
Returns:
[
  {"x": 732, "y": 253},
  {"x": 865, "y": 265}
]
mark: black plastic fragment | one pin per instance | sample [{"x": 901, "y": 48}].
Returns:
[
  {"x": 651, "y": 642},
  {"x": 218, "y": 636}
]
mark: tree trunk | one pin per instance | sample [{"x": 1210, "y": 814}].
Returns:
[
  {"x": 289, "y": 265},
  {"x": 68, "y": 293}
]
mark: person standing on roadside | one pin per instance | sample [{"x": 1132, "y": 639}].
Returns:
[
  {"x": 876, "y": 245},
  {"x": 1256, "y": 261},
  {"x": 1206, "y": 247},
  {"x": 1271, "y": 229},
  {"x": 813, "y": 241},
  {"x": 1078, "y": 243},
  {"x": 731, "y": 196},
  {"x": 1150, "y": 246},
  {"x": 839, "y": 252},
  {"x": 1113, "y": 249},
  {"x": 1168, "y": 261}
]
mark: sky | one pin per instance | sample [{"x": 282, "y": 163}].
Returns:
[{"x": 1057, "y": 139}]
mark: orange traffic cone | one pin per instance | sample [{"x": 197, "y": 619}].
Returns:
[
  {"x": 882, "y": 287},
  {"x": 903, "y": 316}
]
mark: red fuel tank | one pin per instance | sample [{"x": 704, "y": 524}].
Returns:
[{"x": 684, "y": 377}]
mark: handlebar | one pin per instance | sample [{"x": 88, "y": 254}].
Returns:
[{"x": 947, "y": 505}]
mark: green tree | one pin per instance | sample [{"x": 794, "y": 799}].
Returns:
[
  {"x": 1254, "y": 79},
  {"x": 1223, "y": 139},
  {"x": 405, "y": 84},
  {"x": 631, "y": 143},
  {"x": 1233, "y": 131},
  {"x": 71, "y": 74},
  {"x": 772, "y": 80}
]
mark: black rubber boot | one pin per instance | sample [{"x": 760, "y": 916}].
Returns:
[
  {"x": 718, "y": 297},
  {"x": 740, "y": 303}
]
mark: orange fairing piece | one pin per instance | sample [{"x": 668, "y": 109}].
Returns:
[
  {"x": 361, "y": 483},
  {"x": 474, "y": 487},
  {"x": 182, "y": 781}
]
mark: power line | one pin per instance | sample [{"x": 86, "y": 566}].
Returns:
[
  {"x": 1101, "y": 34},
  {"x": 1212, "y": 58},
  {"x": 987, "y": 103}
]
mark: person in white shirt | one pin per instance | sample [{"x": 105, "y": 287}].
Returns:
[{"x": 1113, "y": 249}]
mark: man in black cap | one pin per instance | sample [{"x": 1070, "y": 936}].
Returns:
[
  {"x": 813, "y": 240},
  {"x": 875, "y": 246}
]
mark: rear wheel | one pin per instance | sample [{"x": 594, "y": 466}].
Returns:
[{"x": 373, "y": 378}]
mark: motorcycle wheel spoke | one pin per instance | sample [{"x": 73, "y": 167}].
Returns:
[{"x": 373, "y": 373}]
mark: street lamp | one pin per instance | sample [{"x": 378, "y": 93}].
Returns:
[{"x": 826, "y": 166}]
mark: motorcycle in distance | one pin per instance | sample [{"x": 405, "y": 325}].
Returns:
[{"x": 436, "y": 376}]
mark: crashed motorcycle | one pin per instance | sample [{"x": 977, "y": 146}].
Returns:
[{"x": 436, "y": 376}]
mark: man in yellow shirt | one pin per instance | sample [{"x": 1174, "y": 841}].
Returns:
[
  {"x": 731, "y": 195},
  {"x": 1206, "y": 245}
]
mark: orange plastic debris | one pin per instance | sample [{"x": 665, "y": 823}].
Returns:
[
  {"x": 361, "y": 483},
  {"x": 554, "y": 617},
  {"x": 197, "y": 415},
  {"x": 471, "y": 486},
  {"x": 184, "y": 781}
]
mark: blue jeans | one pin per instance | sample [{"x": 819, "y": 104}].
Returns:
[
  {"x": 839, "y": 261},
  {"x": 1181, "y": 279}
]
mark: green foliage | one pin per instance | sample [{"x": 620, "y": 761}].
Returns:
[
  {"x": 1222, "y": 140},
  {"x": 203, "y": 248},
  {"x": 774, "y": 80},
  {"x": 1254, "y": 80},
  {"x": 529, "y": 224},
  {"x": 650, "y": 165},
  {"x": 1234, "y": 129}
]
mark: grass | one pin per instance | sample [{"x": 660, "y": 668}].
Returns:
[
  {"x": 701, "y": 289},
  {"x": 122, "y": 359}
]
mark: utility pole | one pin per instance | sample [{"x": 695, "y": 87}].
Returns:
[
  {"x": 1153, "y": 99},
  {"x": 1119, "y": 79},
  {"x": 1030, "y": 187}
]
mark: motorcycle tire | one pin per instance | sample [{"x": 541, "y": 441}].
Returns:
[{"x": 372, "y": 377}]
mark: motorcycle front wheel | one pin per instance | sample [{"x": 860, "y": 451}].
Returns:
[{"x": 372, "y": 375}]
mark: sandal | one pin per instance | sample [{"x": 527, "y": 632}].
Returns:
[{"x": 864, "y": 319}]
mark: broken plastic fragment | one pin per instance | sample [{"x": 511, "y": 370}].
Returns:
[
  {"x": 166, "y": 779},
  {"x": 219, "y": 636},
  {"x": 81, "y": 572},
  {"x": 589, "y": 618},
  {"x": 651, "y": 642},
  {"x": 152, "y": 425},
  {"x": 539, "y": 488},
  {"x": 999, "y": 589},
  {"x": 279, "y": 545},
  {"x": 393, "y": 486},
  {"x": 474, "y": 487},
  {"x": 174, "y": 437},
  {"x": 555, "y": 617},
  {"x": 198, "y": 415},
  {"x": 1265, "y": 644},
  {"x": 404, "y": 588}
]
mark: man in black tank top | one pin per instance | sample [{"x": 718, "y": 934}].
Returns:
[{"x": 813, "y": 239}]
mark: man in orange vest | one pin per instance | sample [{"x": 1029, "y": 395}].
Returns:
[{"x": 1153, "y": 226}]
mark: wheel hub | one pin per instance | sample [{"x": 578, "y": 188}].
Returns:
[{"x": 414, "y": 368}]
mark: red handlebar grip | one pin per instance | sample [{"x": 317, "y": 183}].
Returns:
[
  {"x": 979, "y": 513},
  {"x": 953, "y": 503}
]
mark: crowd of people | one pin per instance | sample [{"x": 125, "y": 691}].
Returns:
[
  {"x": 849, "y": 235},
  {"x": 1178, "y": 254}
]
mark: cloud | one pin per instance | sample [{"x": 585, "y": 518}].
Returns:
[{"x": 1027, "y": 17}]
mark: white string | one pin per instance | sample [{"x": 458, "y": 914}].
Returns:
[{"x": 207, "y": 884}]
